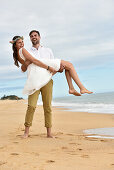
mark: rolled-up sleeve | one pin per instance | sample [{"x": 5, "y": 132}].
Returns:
[{"x": 51, "y": 54}]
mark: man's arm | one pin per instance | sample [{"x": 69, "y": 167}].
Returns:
[{"x": 29, "y": 57}]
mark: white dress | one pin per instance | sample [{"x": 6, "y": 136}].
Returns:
[{"x": 38, "y": 77}]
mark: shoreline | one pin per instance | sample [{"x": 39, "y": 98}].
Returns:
[
  {"x": 70, "y": 149},
  {"x": 69, "y": 110}
]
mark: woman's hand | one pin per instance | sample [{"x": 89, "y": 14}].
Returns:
[{"x": 52, "y": 70}]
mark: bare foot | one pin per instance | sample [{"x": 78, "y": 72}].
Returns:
[
  {"x": 85, "y": 91},
  {"x": 49, "y": 133},
  {"x": 49, "y": 136},
  {"x": 25, "y": 136},
  {"x": 74, "y": 92}
]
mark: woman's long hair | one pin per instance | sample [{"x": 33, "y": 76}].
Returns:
[{"x": 15, "y": 54}]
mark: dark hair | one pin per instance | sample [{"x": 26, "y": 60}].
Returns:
[
  {"x": 15, "y": 54},
  {"x": 34, "y": 31}
]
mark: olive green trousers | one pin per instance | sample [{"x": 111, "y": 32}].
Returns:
[{"x": 46, "y": 93}]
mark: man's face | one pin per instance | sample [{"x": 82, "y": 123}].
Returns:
[{"x": 35, "y": 38}]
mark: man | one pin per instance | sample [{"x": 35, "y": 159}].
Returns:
[{"x": 39, "y": 52}]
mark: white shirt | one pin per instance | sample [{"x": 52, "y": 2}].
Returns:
[
  {"x": 38, "y": 76},
  {"x": 41, "y": 53}
]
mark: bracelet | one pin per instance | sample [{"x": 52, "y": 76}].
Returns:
[{"x": 48, "y": 68}]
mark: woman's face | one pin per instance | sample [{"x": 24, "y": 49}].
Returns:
[{"x": 19, "y": 44}]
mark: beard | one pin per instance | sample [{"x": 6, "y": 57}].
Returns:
[{"x": 35, "y": 42}]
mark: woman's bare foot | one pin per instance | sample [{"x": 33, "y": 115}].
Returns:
[
  {"x": 85, "y": 91},
  {"x": 74, "y": 92}
]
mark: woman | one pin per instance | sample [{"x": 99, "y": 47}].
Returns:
[{"x": 41, "y": 71}]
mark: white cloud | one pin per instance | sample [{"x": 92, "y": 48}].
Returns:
[{"x": 78, "y": 30}]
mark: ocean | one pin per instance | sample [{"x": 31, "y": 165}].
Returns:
[
  {"x": 94, "y": 103},
  {"x": 101, "y": 103}
]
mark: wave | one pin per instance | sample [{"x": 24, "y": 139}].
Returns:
[{"x": 85, "y": 107}]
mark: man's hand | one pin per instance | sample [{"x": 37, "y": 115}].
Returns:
[
  {"x": 27, "y": 63},
  {"x": 52, "y": 70},
  {"x": 62, "y": 67},
  {"x": 23, "y": 67}
]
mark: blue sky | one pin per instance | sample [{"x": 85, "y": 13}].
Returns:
[{"x": 81, "y": 31}]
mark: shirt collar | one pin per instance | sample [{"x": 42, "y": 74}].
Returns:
[{"x": 34, "y": 49}]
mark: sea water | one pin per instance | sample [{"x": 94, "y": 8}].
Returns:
[
  {"x": 101, "y": 103},
  {"x": 94, "y": 103}
]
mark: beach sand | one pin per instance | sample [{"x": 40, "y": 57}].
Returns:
[{"x": 71, "y": 149}]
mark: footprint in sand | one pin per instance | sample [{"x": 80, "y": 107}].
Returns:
[
  {"x": 74, "y": 144},
  {"x": 110, "y": 153},
  {"x": 59, "y": 133},
  {"x": 50, "y": 161},
  {"x": 57, "y": 137},
  {"x": 2, "y": 147},
  {"x": 2, "y": 163},
  {"x": 16, "y": 142},
  {"x": 79, "y": 149},
  {"x": 14, "y": 154},
  {"x": 71, "y": 153},
  {"x": 64, "y": 147},
  {"x": 85, "y": 156},
  {"x": 103, "y": 140},
  {"x": 70, "y": 134}
]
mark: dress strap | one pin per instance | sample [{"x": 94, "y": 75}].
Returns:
[{"x": 21, "y": 54}]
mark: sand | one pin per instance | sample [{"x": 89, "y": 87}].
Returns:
[{"x": 71, "y": 149}]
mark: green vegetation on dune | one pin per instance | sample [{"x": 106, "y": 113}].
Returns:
[{"x": 11, "y": 97}]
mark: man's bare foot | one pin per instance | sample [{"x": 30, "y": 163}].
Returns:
[
  {"x": 25, "y": 136},
  {"x": 26, "y": 133},
  {"x": 49, "y": 133},
  {"x": 49, "y": 136},
  {"x": 85, "y": 91},
  {"x": 74, "y": 92}
]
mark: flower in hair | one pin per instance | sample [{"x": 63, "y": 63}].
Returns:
[{"x": 13, "y": 41}]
